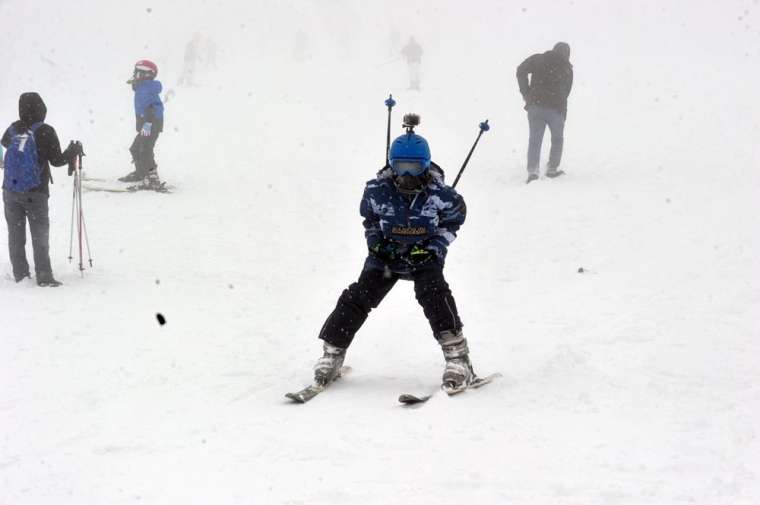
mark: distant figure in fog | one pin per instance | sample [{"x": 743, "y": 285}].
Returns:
[
  {"x": 551, "y": 79},
  {"x": 412, "y": 52},
  {"x": 192, "y": 57}
]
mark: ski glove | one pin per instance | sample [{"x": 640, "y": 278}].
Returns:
[
  {"x": 145, "y": 130},
  {"x": 74, "y": 149},
  {"x": 385, "y": 250},
  {"x": 420, "y": 255}
]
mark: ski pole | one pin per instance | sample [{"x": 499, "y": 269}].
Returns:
[
  {"x": 80, "y": 216},
  {"x": 81, "y": 210},
  {"x": 483, "y": 128},
  {"x": 73, "y": 207},
  {"x": 75, "y": 169},
  {"x": 390, "y": 102}
]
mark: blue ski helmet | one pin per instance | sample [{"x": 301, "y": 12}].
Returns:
[{"x": 409, "y": 155}]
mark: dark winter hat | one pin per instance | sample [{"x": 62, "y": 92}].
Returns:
[
  {"x": 562, "y": 49},
  {"x": 31, "y": 108}
]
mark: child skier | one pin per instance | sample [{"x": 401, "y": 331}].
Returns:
[
  {"x": 410, "y": 218},
  {"x": 149, "y": 122}
]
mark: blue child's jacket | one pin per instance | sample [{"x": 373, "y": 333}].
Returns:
[{"x": 430, "y": 218}]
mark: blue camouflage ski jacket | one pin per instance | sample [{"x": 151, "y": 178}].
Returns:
[
  {"x": 148, "y": 105},
  {"x": 431, "y": 219}
]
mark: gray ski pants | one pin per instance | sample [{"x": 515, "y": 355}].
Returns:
[
  {"x": 538, "y": 119},
  {"x": 18, "y": 208}
]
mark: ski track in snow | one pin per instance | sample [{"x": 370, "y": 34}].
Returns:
[{"x": 635, "y": 381}]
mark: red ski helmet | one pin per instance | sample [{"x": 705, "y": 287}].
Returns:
[{"x": 145, "y": 69}]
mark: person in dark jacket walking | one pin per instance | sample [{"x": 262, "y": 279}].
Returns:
[
  {"x": 551, "y": 79},
  {"x": 149, "y": 123},
  {"x": 31, "y": 147},
  {"x": 410, "y": 219}
]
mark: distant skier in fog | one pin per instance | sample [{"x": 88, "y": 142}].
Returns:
[
  {"x": 190, "y": 62},
  {"x": 149, "y": 122},
  {"x": 31, "y": 147},
  {"x": 551, "y": 79},
  {"x": 412, "y": 52}
]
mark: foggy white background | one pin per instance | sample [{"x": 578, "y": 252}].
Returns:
[{"x": 635, "y": 382}]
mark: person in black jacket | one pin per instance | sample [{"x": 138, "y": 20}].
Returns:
[
  {"x": 551, "y": 79},
  {"x": 32, "y": 203}
]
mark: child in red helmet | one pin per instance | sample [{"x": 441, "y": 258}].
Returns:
[{"x": 149, "y": 122}]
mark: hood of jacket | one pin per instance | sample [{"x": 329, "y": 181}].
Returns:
[
  {"x": 31, "y": 108},
  {"x": 562, "y": 49}
]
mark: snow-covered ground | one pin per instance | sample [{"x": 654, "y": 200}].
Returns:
[{"x": 633, "y": 382}]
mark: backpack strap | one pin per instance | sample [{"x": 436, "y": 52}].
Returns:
[{"x": 33, "y": 129}]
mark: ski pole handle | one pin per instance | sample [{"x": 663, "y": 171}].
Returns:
[
  {"x": 484, "y": 127},
  {"x": 75, "y": 162}
]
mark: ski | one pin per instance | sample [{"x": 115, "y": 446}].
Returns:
[
  {"x": 411, "y": 399},
  {"x": 313, "y": 390},
  {"x": 106, "y": 189},
  {"x": 164, "y": 188}
]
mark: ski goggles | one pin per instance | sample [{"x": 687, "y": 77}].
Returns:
[
  {"x": 408, "y": 167},
  {"x": 139, "y": 75}
]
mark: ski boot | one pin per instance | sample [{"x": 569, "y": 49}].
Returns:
[
  {"x": 531, "y": 178},
  {"x": 131, "y": 177},
  {"x": 458, "y": 373},
  {"x": 327, "y": 368},
  {"x": 554, "y": 172},
  {"x": 47, "y": 281},
  {"x": 151, "y": 182},
  {"x": 19, "y": 278}
]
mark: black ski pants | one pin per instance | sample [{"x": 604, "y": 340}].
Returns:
[
  {"x": 430, "y": 288},
  {"x": 142, "y": 153},
  {"x": 20, "y": 207}
]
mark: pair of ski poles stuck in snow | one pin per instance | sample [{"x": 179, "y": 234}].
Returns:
[
  {"x": 77, "y": 214},
  {"x": 412, "y": 120}
]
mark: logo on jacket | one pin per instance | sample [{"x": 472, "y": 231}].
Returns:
[{"x": 409, "y": 230}]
